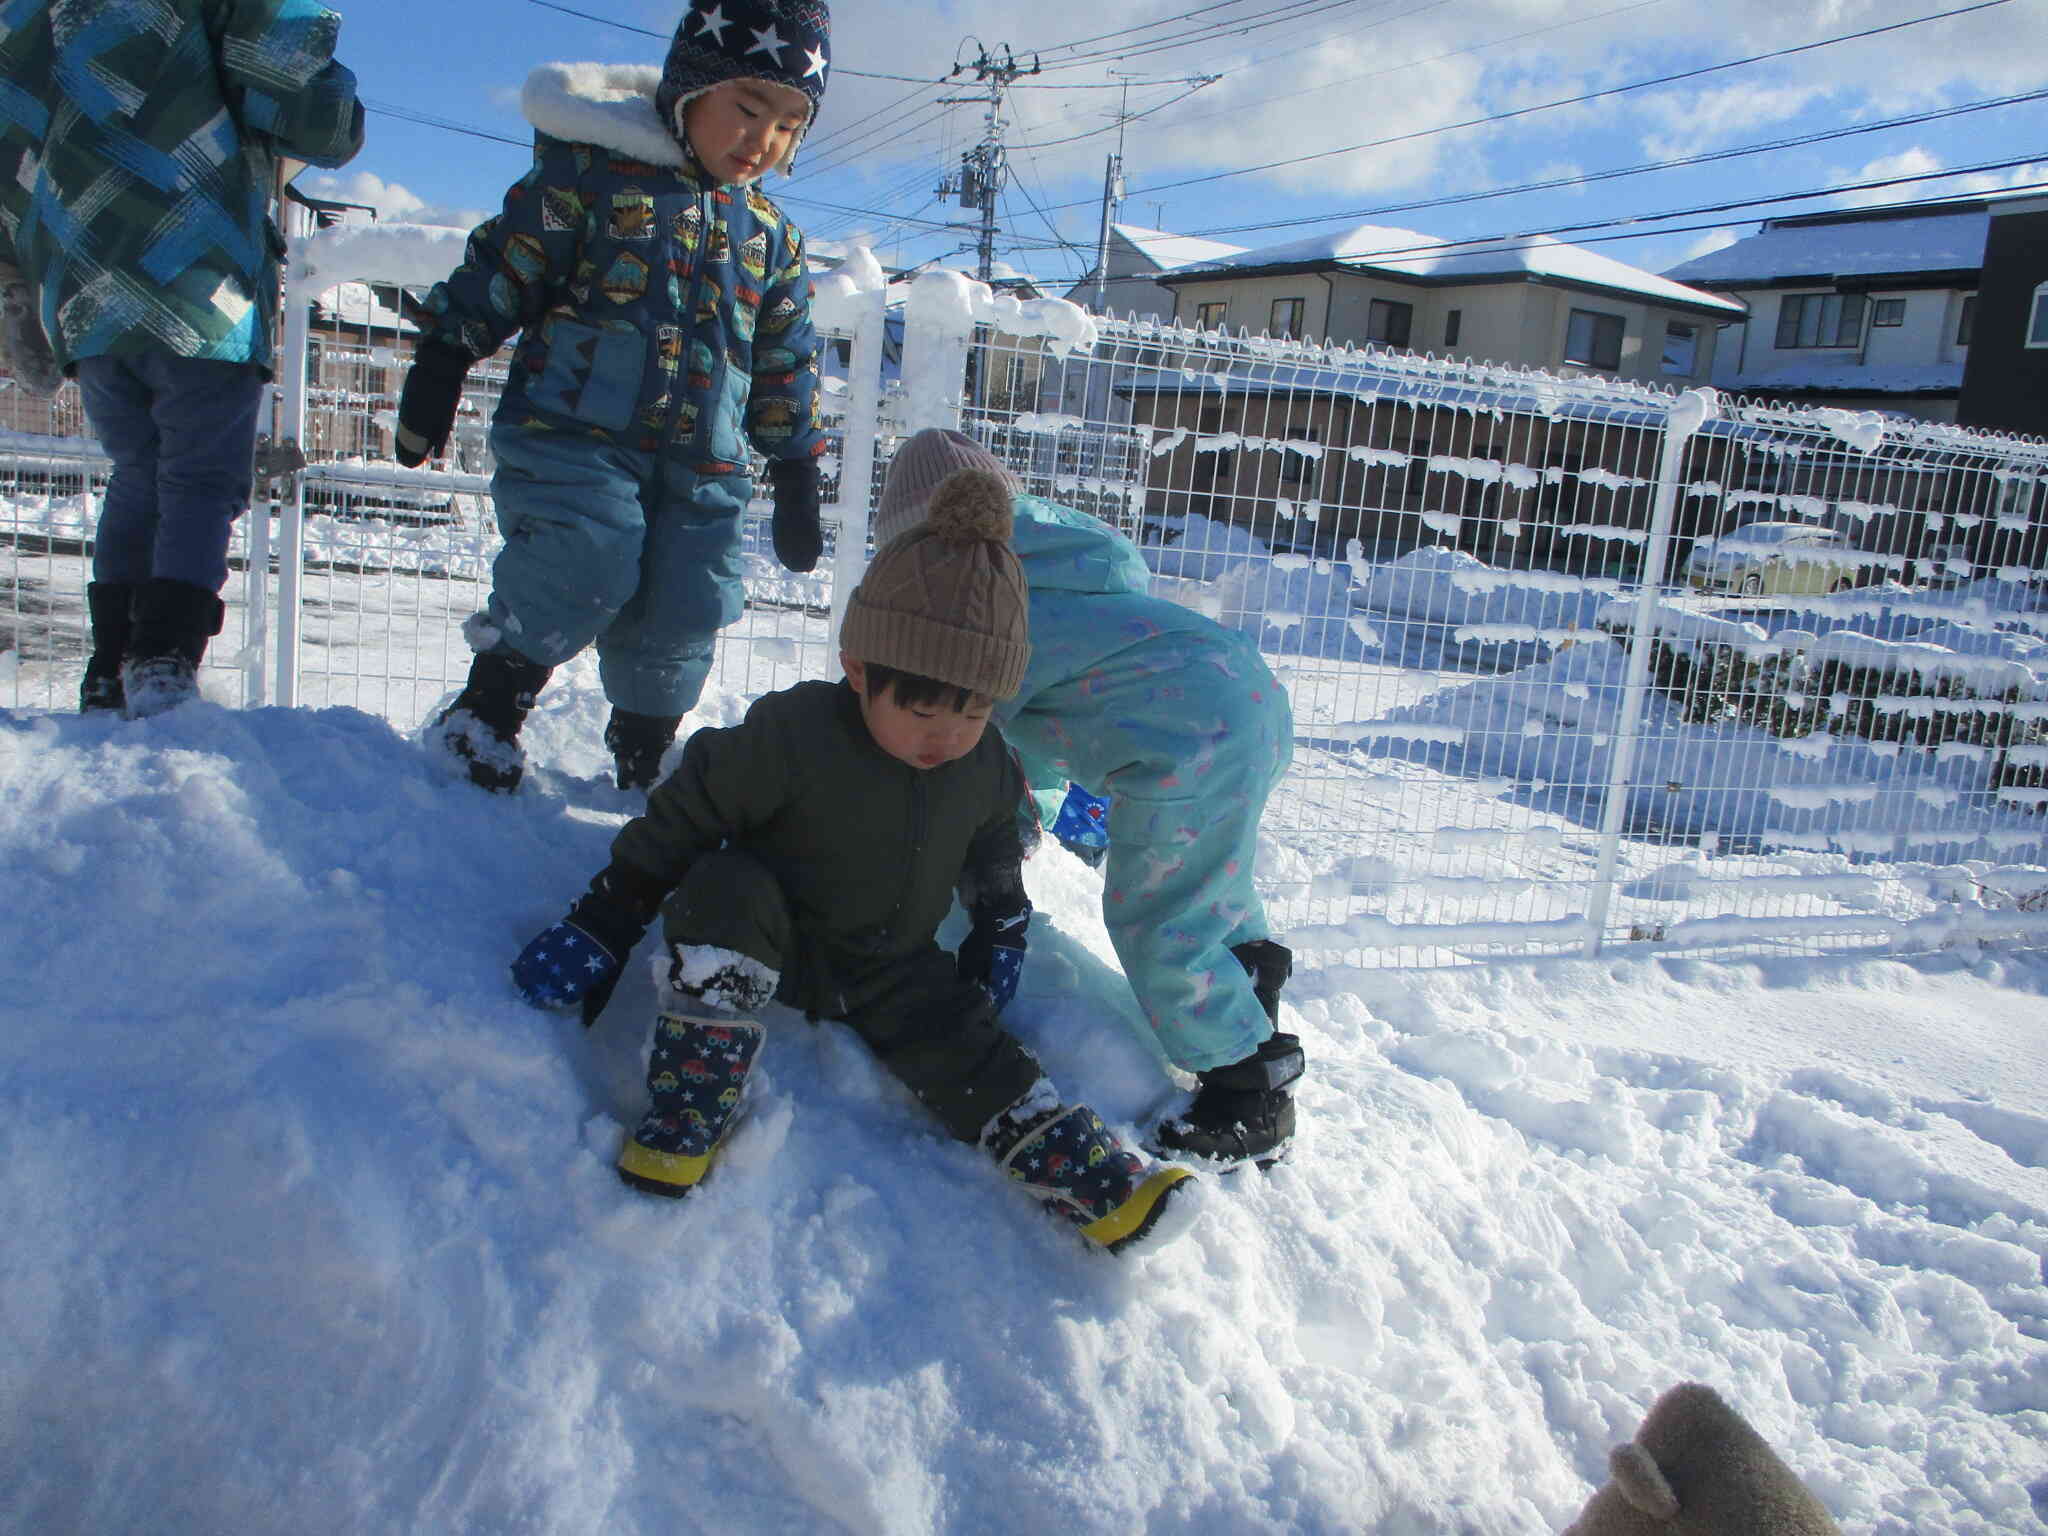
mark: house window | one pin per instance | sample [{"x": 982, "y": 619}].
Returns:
[
  {"x": 1820, "y": 320},
  {"x": 1209, "y": 317},
  {"x": 1286, "y": 321},
  {"x": 1453, "y": 322},
  {"x": 1887, "y": 312},
  {"x": 1294, "y": 467},
  {"x": 1963, "y": 320},
  {"x": 1221, "y": 463},
  {"x": 2037, "y": 317},
  {"x": 1681, "y": 349},
  {"x": 1593, "y": 340},
  {"x": 1389, "y": 322}
]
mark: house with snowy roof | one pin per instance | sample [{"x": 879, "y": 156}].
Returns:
[
  {"x": 1858, "y": 308},
  {"x": 2005, "y": 377},
  {"x": 1533, "y": 301},
  {"x": 1122, "y": 283},
  {"x": 1309, "y": 442}
]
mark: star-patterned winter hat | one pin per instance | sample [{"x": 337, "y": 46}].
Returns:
[{"x": 785, "y": 42}]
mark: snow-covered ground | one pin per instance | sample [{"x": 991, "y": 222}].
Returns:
[{"x": 310, "y": 1224}]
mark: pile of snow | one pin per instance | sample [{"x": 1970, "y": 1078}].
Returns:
[{"x": 312, "y": 1225}]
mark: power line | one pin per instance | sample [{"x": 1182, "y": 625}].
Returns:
[
  {"x": 1569, "y": 101},
  {"x": 407, "y": 114},
  {"x": 1488, "y": 245},
  {"x": 1581, "y": 178}
]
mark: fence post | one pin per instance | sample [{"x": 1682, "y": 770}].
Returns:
[
  {"x": 1692, "y": 410},
  {"x": 863, "y": 424},
  {"x": 256, "y": 582},
  {"x": 293, "y": 363},
  {"x": 938, "y": 328}
]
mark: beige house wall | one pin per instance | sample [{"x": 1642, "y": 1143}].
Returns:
[{"x": 1509, "y": 322}]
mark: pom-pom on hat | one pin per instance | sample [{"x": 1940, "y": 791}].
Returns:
[
  {"x": 785, "y": 42},
  {"x": 924, "y": 460},
  {"x": 946, "y": 598}
]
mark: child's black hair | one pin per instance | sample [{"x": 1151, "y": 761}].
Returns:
[{"x": 912, "y": 690}]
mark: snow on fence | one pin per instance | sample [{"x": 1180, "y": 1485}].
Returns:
[{"x": 1543, "y": 704}]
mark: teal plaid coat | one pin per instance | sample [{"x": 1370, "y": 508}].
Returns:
[{"x": 138, "y": 156}]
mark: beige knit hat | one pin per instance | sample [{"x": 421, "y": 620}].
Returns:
[
  {"x": 946, "y": 599},
  {"x": 924, "y": 460}
]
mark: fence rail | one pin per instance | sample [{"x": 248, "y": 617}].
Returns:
[{"x": 1544, "y": 702}]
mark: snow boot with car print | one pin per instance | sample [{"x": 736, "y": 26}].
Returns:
[
  {"x": 479, "y": 732},
  {"x": 1244, "y": 1113},
  {"x": 1070, "y": 1162},
  {"x": 637, "y": 742},
  {"x": 705, "y": 1043}
]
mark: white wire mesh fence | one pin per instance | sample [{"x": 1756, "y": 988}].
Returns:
[{"x": 1573, "y": 663}]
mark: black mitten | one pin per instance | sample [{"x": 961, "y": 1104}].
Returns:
[
  {"x": 426, "y": 407},
  {"x": 798, "y": 538}
]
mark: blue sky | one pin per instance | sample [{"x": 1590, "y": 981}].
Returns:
[{"x": 1246, "y": 119}]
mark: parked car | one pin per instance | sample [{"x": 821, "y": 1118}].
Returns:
[{"x": 1760, "y": 558}]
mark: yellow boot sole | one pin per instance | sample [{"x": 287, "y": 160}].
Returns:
[
  {"x": 1152, "y": 1217},
  {"x": 673, "y": 1174}
]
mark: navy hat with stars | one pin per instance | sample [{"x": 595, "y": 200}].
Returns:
[{"x": 785, "y": 42}]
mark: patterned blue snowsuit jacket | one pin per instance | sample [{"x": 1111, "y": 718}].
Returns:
[
  {"x": 657, "y": 310},
  {"x": 1180, "y": 723},
  {"x": 139, "y": 147}
]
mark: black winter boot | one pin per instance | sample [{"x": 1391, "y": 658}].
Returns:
[
  {"x": 169, "y": 626},
  {"x": 109, "y": 604},
  {"x": 1245, "y": 1112},
  {"x": 480, "y": 730},
  {"x": 1242, "y": 1113},
  {"x": 637, "y": 742}
]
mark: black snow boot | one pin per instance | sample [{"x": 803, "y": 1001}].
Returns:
[
  {"x": 637, "y": 742},
  {"x": 480, "y": 730},
  {"x": 169, "y": 626},
  {"x": 108, "y": 603},
  {"x": 1244, "y": 1113}
]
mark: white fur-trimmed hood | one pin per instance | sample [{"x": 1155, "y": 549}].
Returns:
[{"x": 610, "y": 105}]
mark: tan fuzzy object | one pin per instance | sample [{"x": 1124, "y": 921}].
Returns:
[
  {"x": 971, "y": 504},
  {"x": 946, "y": 599},
  {"x": 1696, "y": 1468}
]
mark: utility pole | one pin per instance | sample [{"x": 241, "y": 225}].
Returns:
[
  {"x": 1112, "y": 194},
  {"x": 984, "y": 168}
]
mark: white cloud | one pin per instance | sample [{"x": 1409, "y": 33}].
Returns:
[
  {"x": 1713, "y": 240},
  {"x": 1920, "y": 162},
  {"x": 393, "y": 201}
]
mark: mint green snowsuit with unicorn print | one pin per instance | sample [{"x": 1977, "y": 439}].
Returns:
[{"x": 1177, "y": 721}]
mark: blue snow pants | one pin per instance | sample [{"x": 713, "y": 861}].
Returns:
[
  {"x": 182, "y": 434},
  {"x": 632, "y": 551},
  {"x": 1186, "y": 732}
]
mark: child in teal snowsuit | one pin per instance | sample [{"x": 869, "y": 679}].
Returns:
[
  {"x": 1181, "y": 724},
  {"x": 665, "y": 334}
]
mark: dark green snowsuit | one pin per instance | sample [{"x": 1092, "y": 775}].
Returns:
[{"x": 793, "y": 839}]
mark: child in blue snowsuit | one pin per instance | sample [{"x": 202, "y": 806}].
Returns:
[
  {"x": 664, "y": 317},
  {"x": 1181, "y": 724}
]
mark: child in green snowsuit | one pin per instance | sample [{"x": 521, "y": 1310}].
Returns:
[{"x": 809, "y": 854}]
